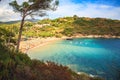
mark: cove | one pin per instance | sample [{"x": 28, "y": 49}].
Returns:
[{"x": 98, "y": 56}]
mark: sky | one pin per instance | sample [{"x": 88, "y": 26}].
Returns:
[{"x": 82, "y": 8}]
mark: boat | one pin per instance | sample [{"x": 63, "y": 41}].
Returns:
[{"x": 69, "y": 39}]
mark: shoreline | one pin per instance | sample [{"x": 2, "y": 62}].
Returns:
[{"x": 38, "y": 42}]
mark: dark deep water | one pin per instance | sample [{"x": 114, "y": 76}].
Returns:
[{"x": 94, "y": 56}]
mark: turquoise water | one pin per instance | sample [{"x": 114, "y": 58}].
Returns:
[{"x": 94, "y": 56}]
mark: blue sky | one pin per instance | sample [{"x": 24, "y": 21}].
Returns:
[
  {"x": 105, "y": 2},
  {"x": 82, "y": 8}
]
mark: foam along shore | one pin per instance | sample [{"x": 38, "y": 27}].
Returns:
[
  {"x": 36, "y": 42},
  {"x": 94, "y": 36}
]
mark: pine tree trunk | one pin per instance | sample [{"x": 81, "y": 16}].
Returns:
[{"x": 20, "y": 33}]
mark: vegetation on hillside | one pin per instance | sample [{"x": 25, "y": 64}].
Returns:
[
  {"x": 67, "y": 26},
  {"x": 97, "y": 26},
  {"x": 70, "y": 26}
]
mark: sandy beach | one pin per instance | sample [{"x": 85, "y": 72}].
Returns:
[{"x": 37, "y": 42}]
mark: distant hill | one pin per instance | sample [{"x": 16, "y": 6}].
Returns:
[{"x": 12, "y": 22}]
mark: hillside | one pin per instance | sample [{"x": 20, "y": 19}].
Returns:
[
  {"x": 67, "y": 26},
  {"x": 71, "y": 26}
]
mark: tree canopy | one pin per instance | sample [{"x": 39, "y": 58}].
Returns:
[
  {"x": 31, "y": 8},
  {"x": 34, "y": 7}
]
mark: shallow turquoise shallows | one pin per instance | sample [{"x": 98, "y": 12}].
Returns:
[{"x": 94, "y": 56}]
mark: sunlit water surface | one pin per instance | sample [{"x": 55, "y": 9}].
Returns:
[{"x": 94, "y": 56}]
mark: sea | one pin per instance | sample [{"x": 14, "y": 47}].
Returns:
[{"x": 95, "y": 56}]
